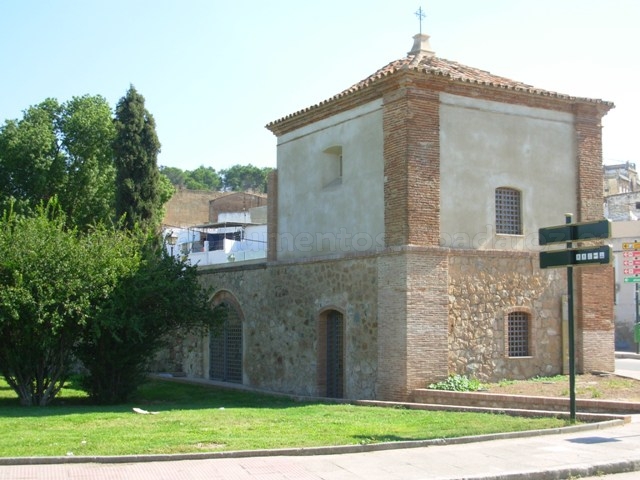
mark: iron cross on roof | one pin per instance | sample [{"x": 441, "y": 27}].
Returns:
[{"x": 420, "y": 14}]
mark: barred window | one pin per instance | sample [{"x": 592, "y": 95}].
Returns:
[
  {"x": 518, "y": 334},
  {"x": 508, "y": 217}
]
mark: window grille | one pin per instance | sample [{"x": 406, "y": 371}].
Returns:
[
  {"x": 331, "y": 374},
  {"x": 225, "y": 347},
  {"x": 508, "y": 217},
  {"x": 518, "y": 334},
  {"x": 335, "y": 355}
]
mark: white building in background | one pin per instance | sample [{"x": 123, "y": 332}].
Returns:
[
  {"x": 620, "y": 178},
  {"x": 233, "y": 238},
  {"x": 622, "y": 207},
  {"x": 626, "y": 287}
]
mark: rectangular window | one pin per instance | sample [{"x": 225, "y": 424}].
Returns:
[
  {"x": 508, "y": 216},
  {"x": 331, "y": 168},
  {"x": 518, "y": 334}
]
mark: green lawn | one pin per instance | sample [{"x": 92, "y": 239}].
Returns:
[{"x": 195, "y": 418}]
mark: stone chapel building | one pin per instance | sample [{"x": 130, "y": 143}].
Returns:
[{"x": 403, "y": 221}]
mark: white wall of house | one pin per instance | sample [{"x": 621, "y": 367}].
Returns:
[
  {"x": 485, "y": 145},
  {"x": 625, "y": 295},
  {"x": 328, "y": 209},
  {"x": 253, "y": 245}
]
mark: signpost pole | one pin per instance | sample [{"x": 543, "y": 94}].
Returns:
[
  {"x": 580, "y": 257},
  {"x": 572, "y": 360}
]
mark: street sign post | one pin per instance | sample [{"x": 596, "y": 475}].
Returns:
[
  {"x": 574, "y": 232},
  {"x": 574, "y": 257}
]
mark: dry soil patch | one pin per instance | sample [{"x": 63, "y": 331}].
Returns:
[{"x": 603, "y": 387}]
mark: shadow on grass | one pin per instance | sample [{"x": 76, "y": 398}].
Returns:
[{"x": 154, "y": 395}]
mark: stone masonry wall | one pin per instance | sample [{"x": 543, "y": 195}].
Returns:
[
  {"x": 412, "y": 316},
  {"x": 484, "y": 287},
  {"x": 282, "y": 304}
]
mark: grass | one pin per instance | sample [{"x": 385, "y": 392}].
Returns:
[
  {"x": 197, "y": 418},
  {"x": 555, "y": 378}
]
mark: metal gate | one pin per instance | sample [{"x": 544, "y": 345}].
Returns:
[
  {"x": 335, "y": 355},
  {"x": 225, "y": 347}
]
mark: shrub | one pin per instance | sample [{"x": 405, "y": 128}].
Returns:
[{"x": 457, "y": 383}]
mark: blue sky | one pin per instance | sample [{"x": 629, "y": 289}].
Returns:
[{"x": 214, "y": 72}]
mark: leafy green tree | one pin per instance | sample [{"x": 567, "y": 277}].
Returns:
[
  {"x": 88, "y": 131},
  {"x": 245, "y": 178},
  {"x": 31, "y": 161},
  {"x": 175, "y": 175},
  {"x": 203, "y": 178},
  {"x": 163, "y": 296},
  {"x": 166, "y": 191},
  {"x": 136, "y": 149},
  {"x": 61, "y": 150},
  {"x": 52, "y": 282}
]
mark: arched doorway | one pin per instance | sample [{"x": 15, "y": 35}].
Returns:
[
  {"x": 331, "y": 354},
  {"x": 225, "y": 341}
]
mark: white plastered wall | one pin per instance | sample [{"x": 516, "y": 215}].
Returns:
[
  {"x": 485, "y": 145},
  {"x": 318, "y": 213}
]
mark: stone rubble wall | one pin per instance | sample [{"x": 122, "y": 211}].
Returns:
[
  {"x": 484, "y": 287},
  {"x": 282, "y": 304}
]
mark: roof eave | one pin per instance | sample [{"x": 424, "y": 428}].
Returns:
[{"x": 292, "y": 121}]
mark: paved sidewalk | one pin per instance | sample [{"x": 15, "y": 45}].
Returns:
[{"x": 575, "y": 453}]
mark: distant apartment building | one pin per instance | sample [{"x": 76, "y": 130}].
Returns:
[
  {"x": 622, "y": 207},
  {"x": 620, "y": 178}
]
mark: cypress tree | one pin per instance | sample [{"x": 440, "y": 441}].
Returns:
[{"x": 136, "y": 149}]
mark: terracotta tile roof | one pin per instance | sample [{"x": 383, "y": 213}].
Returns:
[{"x": 432, "y": 65}]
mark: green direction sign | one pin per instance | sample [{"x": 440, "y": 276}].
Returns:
[
  {"x": 576, "y": 257},
  {"x": 631, "y": 279},
  {"x": 572, "y": 232}
]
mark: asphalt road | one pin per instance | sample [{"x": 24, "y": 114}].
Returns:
[{"x": 628, "y": 364}]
